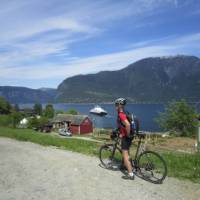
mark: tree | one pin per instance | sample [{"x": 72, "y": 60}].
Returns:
[
  {"x": 33, "y": 122},
  {"x": 37, "y": 122},
  {"x": 179, "y": 118},
  {"x": 16, "y": 117},
  {"x": 43, "y": 121},
  {"x": 16, "y": 107},
  {"x": 60, "y": 112},
  {"x": 72, "y": 112},
  {"x": 5, "y": 120},
  {"x": 5, "y": 107},
  {"x": 49, "y": 111},
  {"x": 38, "y": 109}
]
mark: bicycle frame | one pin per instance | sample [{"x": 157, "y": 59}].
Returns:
[
  {"x": 117, "y": 141},
  {"x": 138, "y": 145},
  {"x": 144, "y": 169}
]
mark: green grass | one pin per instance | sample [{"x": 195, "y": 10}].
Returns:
[
  {"x": 180, "y": 165},
  {"x": 82, "y": 146},
  {"x": 183, "y": 166}
]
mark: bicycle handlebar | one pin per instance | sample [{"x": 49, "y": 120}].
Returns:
[{"x": 116, "y": 135}]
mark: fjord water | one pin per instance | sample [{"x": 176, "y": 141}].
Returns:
[{"x": 146, "y": 113}]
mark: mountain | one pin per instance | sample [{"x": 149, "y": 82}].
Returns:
[
  {"x": 152, "y": 80},
  {"x": 158, "y": 79},
  {"x": 27, "y": 95},
  {"x": 47, "y": 89}
]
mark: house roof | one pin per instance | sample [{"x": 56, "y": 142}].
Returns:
[{"x": 74, "y": 119}]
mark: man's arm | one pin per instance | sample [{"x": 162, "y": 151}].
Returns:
[{"x": 127, "y": 126}]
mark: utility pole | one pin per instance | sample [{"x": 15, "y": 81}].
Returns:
[
  {"x": 198, "y": 138},
  {"x": 198, "y": 134}
]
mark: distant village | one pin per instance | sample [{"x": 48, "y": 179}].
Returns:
[
  {"x": 45, "y": 119},
  {"x": 65, "y": 123}
]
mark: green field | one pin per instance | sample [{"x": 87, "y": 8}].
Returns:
[
  {"x": 82, "y": 146},
  {"x": 180, "y": 165}
]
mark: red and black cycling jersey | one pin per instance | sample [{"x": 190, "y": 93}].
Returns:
[{"x": 120, "y": 119}]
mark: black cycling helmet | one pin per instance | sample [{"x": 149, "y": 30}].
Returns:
[{"x": 120, "y": 101}]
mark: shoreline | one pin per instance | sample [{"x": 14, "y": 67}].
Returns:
[
  {"x": 164, "y": 133},
  {"x": 96, "y": 103}
]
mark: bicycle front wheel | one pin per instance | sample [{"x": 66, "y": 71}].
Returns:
[
  {"x": 110, "y": 157},
  {"x": 152, "y": 166}
]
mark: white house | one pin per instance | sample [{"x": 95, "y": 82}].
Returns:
[{"x": 23, "y": 123}]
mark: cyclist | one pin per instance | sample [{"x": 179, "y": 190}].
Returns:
[{"x": 124, "y": 131}]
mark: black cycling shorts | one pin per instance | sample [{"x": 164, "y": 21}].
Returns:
[{"x": 126, "y": 143}]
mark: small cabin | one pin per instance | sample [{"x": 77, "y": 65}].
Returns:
[{"x": 77, "y": 124}]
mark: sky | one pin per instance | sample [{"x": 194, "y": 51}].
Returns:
[{"x": 44, "y": 42}]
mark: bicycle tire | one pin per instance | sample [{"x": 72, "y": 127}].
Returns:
[
  {"x": 108, "y": 159},
  {"x": 150, "y": 164}
]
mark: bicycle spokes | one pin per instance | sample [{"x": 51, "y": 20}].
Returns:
[
  {"x": 110, "y": 157},
  {"x": 152, "y": 166},
  {"x": 149, "y": 166}
]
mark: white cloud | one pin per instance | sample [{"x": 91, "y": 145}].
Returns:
[
  {"x": 27, "y": 18},
  {"x": 71, "y": 25},
  {"x": 150, "y": 42},
  {"x": 88, "y": 65},
  {"x": 95, "y": 64},
  {"x": 34, "y": 30},
  {"x": 195, "y": 37},
  {"x": 189, "y": 41},
  {"x": 36, "y": 36}
]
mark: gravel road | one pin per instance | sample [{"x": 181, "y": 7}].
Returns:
[{"x": 30, "y": 171}]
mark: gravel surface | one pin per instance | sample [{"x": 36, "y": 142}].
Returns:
[{"x": 30, "y": 171}]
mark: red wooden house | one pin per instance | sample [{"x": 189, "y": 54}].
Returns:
[{"x": 78, "y": 124}]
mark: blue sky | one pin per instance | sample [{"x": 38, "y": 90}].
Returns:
[{"x": 44, "y": 42}]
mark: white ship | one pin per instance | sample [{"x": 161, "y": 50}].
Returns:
[{"x": 97, "y": 110}]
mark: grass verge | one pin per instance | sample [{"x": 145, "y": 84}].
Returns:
[
  {"x": 180, "y": 165},
  {"x": 183, "y": 166},
  {"x": 81, "y": 146}
]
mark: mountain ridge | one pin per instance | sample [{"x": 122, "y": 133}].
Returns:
[
  {"x": 153, "y": 79},
  {"x": 142, "y": 81},
  {"x": 16, "y": 94}
]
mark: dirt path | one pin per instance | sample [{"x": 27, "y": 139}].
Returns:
[{"x": 30, "y": 171}]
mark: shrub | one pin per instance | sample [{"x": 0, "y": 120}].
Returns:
[
  {"x": 37, "y": 122},
  {"x": 179, "y": 118},
  {"x": 37, "y": 108},
  {"x": 11, "y": 120},
  {"x": 15, "y": 117},
  {"x": 5, "y": 120},
  {"x": 60, "y": 112},
  {"x": 49, "y": 111},
  {"x": 72, "y": 112},
  {"x": 5, "y": 107}
]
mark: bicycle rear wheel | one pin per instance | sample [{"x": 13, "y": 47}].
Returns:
[
  {"x": 152, "y": 166},
  {"x": 110, "y": 157}
]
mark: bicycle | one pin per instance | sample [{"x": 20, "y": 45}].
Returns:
[{"x": 148, "y": 165}]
